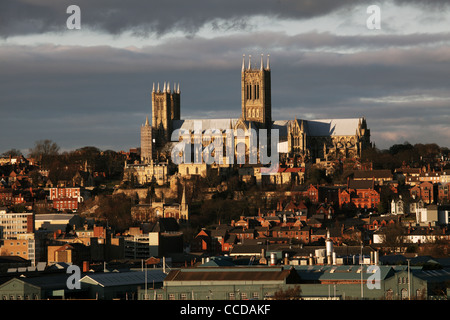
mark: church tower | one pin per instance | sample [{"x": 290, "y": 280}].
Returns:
[
  {"x": 146, "y": 142},
  {"x": 165, "y": 108},
  {"x": 184, "y": 208},
  {"x": 256, "y": 93}
]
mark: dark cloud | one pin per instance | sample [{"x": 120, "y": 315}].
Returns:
[
  {"x": 99, "y": 95},
  {"x": 160, "y": 17}
]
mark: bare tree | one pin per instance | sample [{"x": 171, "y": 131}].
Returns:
[
  {"x": 394, "y": 236},
  {"x": 44, "y": 148},
  {"x": 288, "y": 294},
  {"x": 12, "y": 153},
  {"x": 44, "y": 151}
]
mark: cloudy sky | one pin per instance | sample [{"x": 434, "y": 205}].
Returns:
[{"x": 92, "y": 86}]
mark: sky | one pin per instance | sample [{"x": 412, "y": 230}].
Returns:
[{"x": 92, "y": 86}]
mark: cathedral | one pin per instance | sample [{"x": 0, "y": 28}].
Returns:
[{"x": 305, "y": 140}]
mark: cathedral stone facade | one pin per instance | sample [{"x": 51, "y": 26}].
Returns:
[{"x": 307, "y": 140}]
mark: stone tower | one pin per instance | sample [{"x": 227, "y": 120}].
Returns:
[
  {"x": 146, "y": 142},
  {"x": 165, "y": 108},
  {"x": 184, "y": 208},
  {"x": 256, "y": 93}
]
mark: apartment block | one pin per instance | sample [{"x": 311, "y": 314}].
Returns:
[{"x": 13, "y": 224}]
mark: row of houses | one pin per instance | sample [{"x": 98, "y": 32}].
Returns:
[
  {"x": 291, "y": 225},
  {"x": 431, "y": 192},
  {"x": 363, "y": 187},
  {"x": 58, "y": 199}
]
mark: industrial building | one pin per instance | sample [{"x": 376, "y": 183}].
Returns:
[{"x": 213, "y": 281}]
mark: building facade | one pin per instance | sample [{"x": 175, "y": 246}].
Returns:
[{"x": 14, "y": 224}]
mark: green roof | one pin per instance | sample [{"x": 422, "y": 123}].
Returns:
[{"x": 341, "y": 272}]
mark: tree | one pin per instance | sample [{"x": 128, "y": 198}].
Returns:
[
  {"x": 116, "y": 210},
  {"x": 317, "y": 176},
  {"x": 288, "y": 294},
  {"x": 12, "y": 153},
  {"x": 44, "y": 151},
  {"x": 396, "y": 148},
  {"x": 393, "y": 236}
]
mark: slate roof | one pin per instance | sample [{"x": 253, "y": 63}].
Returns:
[
  {"x": 165, "y": 225},
  {"x": 360, "y": 184},
  {"x": 110, "y": 279},
  {"x": 229, "y": 274},
  {"x": 333, "y": 127},
  {"x": 340, "y": 273},
  {"x": 319, "y": 128},
  {"x": 219, "y": 262},
  {"x": 219, "y": 124}
]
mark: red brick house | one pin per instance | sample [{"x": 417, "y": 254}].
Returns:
[
  {"x": 63, "y": 204},
  {"x": 326, "y": 209},
  {"x": 344, "y": 197},
  {"x": 444, "y": 192},
  {"x": 293, "y": 232},
  {"x": 57, "y": 193},
  {"x": 312, "y": 193},
  {"x": 423, "y": 191},
  {"x": 6, "y": 196},
  {"x": 361, "y": 193},
  {"x": 366, "y": 198},
  {"x": 374, "y": 223},
  {"x": 204, "y": 242}
]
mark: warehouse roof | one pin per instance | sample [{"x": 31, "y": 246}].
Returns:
[
  {"x": 124, "y": 278},
  {"x": 234, "y": 274}
]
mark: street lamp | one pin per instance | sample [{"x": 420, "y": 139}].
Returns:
[
  {"x": 409, "y": 280},
  {"x": 361, "y": 263}
]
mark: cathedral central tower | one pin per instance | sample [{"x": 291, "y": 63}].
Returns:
[
  {"x": 256, "y": 99},
  {"x": 165, "y": 108}
]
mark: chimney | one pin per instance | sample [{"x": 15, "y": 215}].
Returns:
[
  {"x": 273, "y": 259},
  {"x": 311, "y": 259},
  {"x": 85, "y": 266},
  {"x": 164, "y": 264}
]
